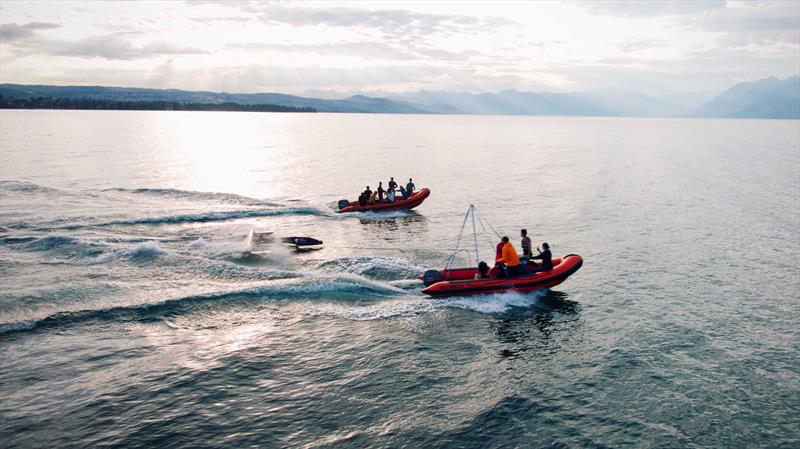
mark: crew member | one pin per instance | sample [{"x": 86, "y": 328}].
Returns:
[
  {"x": 364, "y": 197},
  {"x": 380, "y": 192},
  {"x": 392, "y": 184},
  {"x": 483, "y": 271},
  {"x": 410, "y": 187},
  {"x": 526, "y": 244},
  {"x": 510, "y": 260},
  {"x": 546, "y": 257}
]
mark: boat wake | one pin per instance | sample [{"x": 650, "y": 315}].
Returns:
[
  {"x": 375, "y": 267},
  {"x": 495, "y": 303},
  {"x": 304, "y": 289},
  {"x": 227, "y": 198}
]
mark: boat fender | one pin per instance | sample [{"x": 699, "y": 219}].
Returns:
[
  {"x": 343, "y": 204},
  {"x": 431, "y": 277}
]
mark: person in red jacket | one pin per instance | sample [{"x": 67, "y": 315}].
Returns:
[{"x": 494, "y": 273}]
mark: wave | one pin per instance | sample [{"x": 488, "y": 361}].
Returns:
[
  {"x": 145, "y": 250},
  {"x": 231, "y": 198},
  {"x": 24, "y": 186},
  {"x": 342, "y": 287},
  {"x": 375, "y": 267},
  {"x": 381, "y": 311},
  {"x": 16, "y": 240},
  {"x": 66, "y": 246},
  {"x": 69, "y": 249},
  {"x": 202, "y": 217}
]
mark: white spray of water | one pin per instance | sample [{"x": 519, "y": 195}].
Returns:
[
  {"x": 495, "y": 303},
  {"x": 198, "y": 244}
]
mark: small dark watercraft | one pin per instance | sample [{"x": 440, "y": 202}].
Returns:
[
  {"x": 461, "y": 281},
  {"x": 260, "y": 243},
  {"x": 399, "y": 204}
]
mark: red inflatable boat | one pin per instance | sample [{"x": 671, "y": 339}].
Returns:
[
  {"x": 461, "y": 281},
  {"x": 399, "y": 204}
]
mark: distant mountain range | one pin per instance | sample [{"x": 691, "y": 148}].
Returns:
[
  {"x": 767, "y": 98},
  {"x": 357, "y": 103}
]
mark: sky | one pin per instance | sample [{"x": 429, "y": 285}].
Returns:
[{"x": 663, "y": 48}]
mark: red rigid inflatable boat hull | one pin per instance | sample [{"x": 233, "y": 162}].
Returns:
[
  {"x": 409, "y": 203},
  {"x": 461, "y": 281}
]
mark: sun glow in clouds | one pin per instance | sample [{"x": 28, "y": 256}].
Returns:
[{"x": 654, "y": 47}]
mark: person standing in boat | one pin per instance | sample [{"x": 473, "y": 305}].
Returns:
[
  {"x": 403, "y": 193},
  {"x": 494, "y": 273},
  {"x": 380, "y": 191},
  {"x": 546, "y": 257},
  {"x": 526, "y": 244},
  {"x": 362, "y": 200},
  {"x": 510, "y": 260},
  {"x": 392, "y": 184},
  {"x": 410, "y": 187}
]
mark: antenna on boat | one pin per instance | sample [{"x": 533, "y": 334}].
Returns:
[
  {"x": 475, "y": 235},
  {"x": 471, "y": 213}
]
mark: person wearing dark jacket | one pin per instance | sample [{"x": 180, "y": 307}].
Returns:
[
  {"x": 380, "y": 192},
  {"x": 392, "y": 184},
  {"x": 364, "y": 197},
  {"x": 410, "y": 187},
  {"x": 546, "y": 257}
]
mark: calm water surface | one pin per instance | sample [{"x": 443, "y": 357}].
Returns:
[{"x": 130, "y": 318}]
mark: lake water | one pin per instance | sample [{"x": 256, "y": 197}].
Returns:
[{"x": 130, "y": 318}]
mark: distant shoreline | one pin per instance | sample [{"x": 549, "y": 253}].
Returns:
[{"x": 138, "y": 105}]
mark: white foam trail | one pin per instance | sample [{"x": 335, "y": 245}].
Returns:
[
  {"x": 407, "y": 284},
  {"x": 372, "y": 215},
  {"x": 494, "y": 303},
  {"x": 146, "y": 249},
  {"x": 200, "y": 243}
]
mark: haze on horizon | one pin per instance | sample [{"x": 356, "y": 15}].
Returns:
[{"x": 664, "y": 48}]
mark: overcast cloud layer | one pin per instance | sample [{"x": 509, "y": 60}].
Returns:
[{"x": 660, "y": 48}]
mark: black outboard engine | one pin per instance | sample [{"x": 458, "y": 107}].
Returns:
[
  {"x": 343, "y": 204},
  {"x": 431, "y": 277}
]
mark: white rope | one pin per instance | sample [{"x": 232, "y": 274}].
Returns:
[{"x": 458, "y": 242}]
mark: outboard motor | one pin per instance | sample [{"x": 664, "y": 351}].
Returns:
[
  {"x": 343, "y": 204},
  {"x": 431, "y": 277}
]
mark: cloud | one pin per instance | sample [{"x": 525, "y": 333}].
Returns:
[
  {"x": 650, "y": 8},
  {"x": 389, "y": 21},
  {"x": 365, "y": 50},
  {"x": 113, "y": 46},
  {"x": 206, "y": 19},
  {"x": 759, "y": 24},
  {"x": 370, "y": 50},
  {"x": 13, "y": 32}
]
